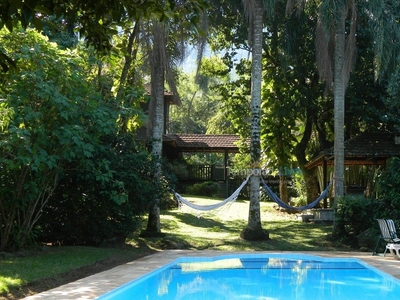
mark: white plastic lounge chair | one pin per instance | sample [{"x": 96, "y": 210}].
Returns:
[{"x": 389, "y": 235}]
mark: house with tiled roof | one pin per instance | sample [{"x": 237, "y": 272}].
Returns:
[{"x": 175, "y": 145}]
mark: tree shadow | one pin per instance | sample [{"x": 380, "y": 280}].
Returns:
[{"x": 198, "y": 221}]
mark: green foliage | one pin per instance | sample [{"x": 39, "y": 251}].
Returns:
[
  {"x": 392, "y": 101},
  {"x": 235, "y": 104},
  {"x": 299, "y": 188},
  {"x": 177, "y": 168},
  {"x": 59, "y": 139},
  {"x": 103, "y": 200},
  {"x": 207, "y": 188},
  {"x": 96, "y": 21},
  {"x": 193, "y": 115},
  {"x": 389, "y": 191},
  {"x": 291, "y": 93},
  {"x": 204, "y": 158},
  {"x": 60, "y": 31},
  {"x": 57, "y": 118},
  {"x": 353, "y": 215}
]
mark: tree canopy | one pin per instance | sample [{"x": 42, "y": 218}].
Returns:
[{"x": 96, "y": 21}]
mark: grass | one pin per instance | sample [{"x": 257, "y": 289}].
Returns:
[
  {"x": 50, "y": 262},
  {"x": 220, "y": 230},
  {"x": 182, "y": 228}
]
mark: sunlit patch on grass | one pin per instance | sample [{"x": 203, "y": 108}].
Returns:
[{"x": 6, "y": 283}]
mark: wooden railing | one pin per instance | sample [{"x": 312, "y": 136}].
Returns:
[{"x": 205, "y": 172}]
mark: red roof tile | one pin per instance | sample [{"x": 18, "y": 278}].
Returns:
[{"x": 204, "y": 142}]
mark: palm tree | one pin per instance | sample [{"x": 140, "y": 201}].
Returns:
[
  {"x": 336, "y": 36},
  {"x": 332, "y": 24},
  {"x": 166, "y": 46},
  {"x": 255, "y": 10},
  {"x": 158, "y": 62}
]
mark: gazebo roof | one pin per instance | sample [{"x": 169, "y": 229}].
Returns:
[
  {"x": 364, "y": 149},
  {"x": 203, "y": 142}
]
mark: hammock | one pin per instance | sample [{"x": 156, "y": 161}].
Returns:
[
  {"x": 274, "y": 197},
  {"x": 230, "y": 199}
]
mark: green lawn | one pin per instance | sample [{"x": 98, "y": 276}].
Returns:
[
  {"x": 220, "y": 230},
  {"x": 182, "y": 228},
  {"x": 27, "y": 267}
]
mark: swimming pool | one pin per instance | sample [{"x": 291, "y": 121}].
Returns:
[{"x": 261, "y": 276}]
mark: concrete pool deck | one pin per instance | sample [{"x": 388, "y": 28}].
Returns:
[{"x": 98, "y": 284}]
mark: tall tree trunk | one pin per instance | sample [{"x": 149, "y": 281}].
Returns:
[
  {"x": 254, "y": 230},
  {"x": 339, "y": 93},
  {"x": 157, "y": 89},
  {"x": 130, "y": 55},
  {"x": 309, "y": 176},
  {"x": 283, "y": 188}
]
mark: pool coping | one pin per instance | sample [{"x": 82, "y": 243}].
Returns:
[{"x": 98, "y": 284}]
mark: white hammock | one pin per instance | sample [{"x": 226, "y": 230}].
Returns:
[{"x": 232, "y": 198}]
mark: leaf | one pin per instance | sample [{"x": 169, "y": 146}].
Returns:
[{"x": 42, "y": 9}]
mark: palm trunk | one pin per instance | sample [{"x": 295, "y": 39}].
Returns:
[
  {"x": 254, "y": 230},
  {"x": 339, "y": 92},
  {"x": 157, "y": 88}
]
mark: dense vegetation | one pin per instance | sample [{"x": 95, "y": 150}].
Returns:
[{"x": 70, "y": 160}]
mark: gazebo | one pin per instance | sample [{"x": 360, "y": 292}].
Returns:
[
  {"x": 176, "y": 145},
  {"x": 364, "y": 154}
]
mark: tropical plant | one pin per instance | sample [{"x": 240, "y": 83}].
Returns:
[
  {"x": 52, "y": 117},
  {"x": 163, "y": 51},
  {"x": 353, "y": 215},
  {"x": 97, "y": 208},
  {"x": 95, "y": 21},
  {"x": 388, "y": 189},
  {"x": 254, "y": 230},
  {"x": 336, "y": 36},
  {"x": 392, "y": 100}
]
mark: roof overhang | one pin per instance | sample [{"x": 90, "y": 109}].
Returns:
[{"x": 204, "y": 142}]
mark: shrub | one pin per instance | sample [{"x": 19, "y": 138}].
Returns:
[
  {"x": 207, "y": 188},
  {"x": 105, "y": 199},
  {"x": 353, "y": 215},
  {"x": 389, "y": 192}
]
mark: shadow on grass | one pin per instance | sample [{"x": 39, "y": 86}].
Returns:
[
  {"x": 52, "y": 266},
  {"x": 208, "y": 231},
  {"x": 297, "y": 236},
  {"x": 198, "y": 221}
]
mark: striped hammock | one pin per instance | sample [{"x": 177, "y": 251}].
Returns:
[
  {"x": 232, "y": 198},
  {"x": 275, "y": 198}
]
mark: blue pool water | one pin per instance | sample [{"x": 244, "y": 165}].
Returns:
[{"x": 261, "y": 277}]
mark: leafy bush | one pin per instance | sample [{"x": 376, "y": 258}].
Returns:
[
  {"x": 50, "y": 118},
  {"x": 389, "y": 192},
  {"x": 353, "y": 215},
  {"x": 207, "y": 188},
  {"x": 103, "y": 201}
]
